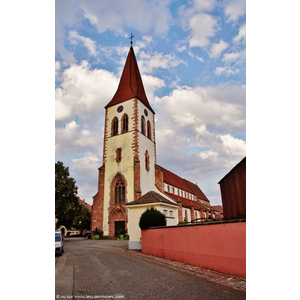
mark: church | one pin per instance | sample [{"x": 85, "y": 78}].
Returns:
[{"x": 130, "y": 181}]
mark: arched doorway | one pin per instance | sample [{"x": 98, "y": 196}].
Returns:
[
  {"x": 117, "y": 221},
  {"x": 118, "y": 198}
]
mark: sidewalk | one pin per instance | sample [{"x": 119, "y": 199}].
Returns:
[{"x": 237, "y": 283}]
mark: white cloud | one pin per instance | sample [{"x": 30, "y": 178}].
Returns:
[
  {"x": 226, "y": 70},
  {"x": 74, "y": 38},
  {"x": 66, "y": 15},
  {"x": 234, "y": 9},
  {"x": 209, "y": 154},
  {"x": 203, "y": 26},
  {"x": 217, "y": 49},
  {"x": 89, "y": 162},
  {"x": 152, "y": 15},
  {"x": 57, "y": 70},
  {"x": 188, "y": 108},
  {"x": 83, "y": 90},
  {"x": 241, "y": 35},
  {"x": 233, "y": 146},
  {"x": 73, "y": 139},
  {"x": 85, "y": 171},
  {"x": 234, "y": 56},
  {"x": 199, "y": 58},
  {"x": 151, "y": 85},
  {"x": 204, "y": 5},
  {"x": 148, "y": 63}
]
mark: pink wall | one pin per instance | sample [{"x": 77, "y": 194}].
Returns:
[{"x": 220, "y": 247}]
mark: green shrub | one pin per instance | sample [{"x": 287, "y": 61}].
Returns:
[
  {"x": 151, "y": 218},
  {"x": 122, "y": 234},
  {"x": 98, "y": 232},
  {"x": 96, "y": 237}
]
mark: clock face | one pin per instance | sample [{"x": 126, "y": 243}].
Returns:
[
  {"x": 146, "y": 112},
  {"x": 120, "y": 109}
]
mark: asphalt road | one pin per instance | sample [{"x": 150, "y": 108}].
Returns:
[{"x": 94, "y": 270}]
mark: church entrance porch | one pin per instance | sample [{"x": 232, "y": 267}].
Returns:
[{"x": 117, "y": 221}]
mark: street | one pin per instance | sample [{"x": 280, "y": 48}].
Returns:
[{"x": 91, "y": 269}]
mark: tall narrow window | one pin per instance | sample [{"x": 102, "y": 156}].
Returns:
[
  {"x": 118, "y": 154},
  {"x": 147, "y": 160},
  {"x": 115, "y": 126},
  {"x": 125, "y": 123},
  {"x": 143, "y": 125},
  {"x": 120, "y": 191},
  {"x": 149, "y": 130}
]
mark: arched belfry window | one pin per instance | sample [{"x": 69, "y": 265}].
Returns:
[
  {"x": 115, "y": 126},
  {"x": 119, "y": 190},
  {"x": 143, "y": 129},
  {"x": 149, "y": 130},
  {"x": 125, "y": 123}
]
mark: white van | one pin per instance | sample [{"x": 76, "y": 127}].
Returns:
[{"x": 59, "y": 243}]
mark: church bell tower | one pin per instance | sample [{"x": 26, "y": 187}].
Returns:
[{"x": 129, "y": 152}]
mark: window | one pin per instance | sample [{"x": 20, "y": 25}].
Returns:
[
  {"x": 125, "y": 123},
  {"x": 165, "y": 212},
  {"x": 171, "y": 213},
  {"x": 119, "y": 190},
  {"x": 143, "y": 125},
  {"x": 118, "y": 154},
  {"x": 147, "y": 160},
  {"x": 115, "y": 126},
  {"x": 149, "y": 130}
]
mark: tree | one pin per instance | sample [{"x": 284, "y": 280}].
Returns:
[
  {"x": 82, "y": 220},
  {"x": 66, "y": 199},
  {"x": 152, "y": 217}
]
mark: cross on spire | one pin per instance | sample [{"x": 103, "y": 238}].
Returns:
[{"x": 131, "y": 37}]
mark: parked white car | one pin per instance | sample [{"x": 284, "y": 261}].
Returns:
[{"x": 59, "y": 243}]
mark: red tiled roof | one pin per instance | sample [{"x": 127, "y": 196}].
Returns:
[
  {"x": 85, "y": 204},
  {"x": 182, "y": 183},
  {"x": 218, "y": 207},
  {"x": 196, "y": 190},
  {"x": 131, "y": 84},
  {"x": 151, "y": 197},
  {"x": 187, "y": 202},
  {"x": 175, "y": 180}
]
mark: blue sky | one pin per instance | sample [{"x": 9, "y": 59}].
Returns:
[{"x": 192, "y": 57}]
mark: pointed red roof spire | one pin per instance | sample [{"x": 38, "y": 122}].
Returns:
[{"x": 131, "y": 84}]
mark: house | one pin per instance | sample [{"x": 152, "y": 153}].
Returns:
[
  {"x": 233, "y": 192},
  {"x": 218, "y": 212},
  {"x": 130, "y": 181},
  {"x": 82, "y": 202}
]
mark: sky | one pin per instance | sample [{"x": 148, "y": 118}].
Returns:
[{"x": 192, "y": 58}]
